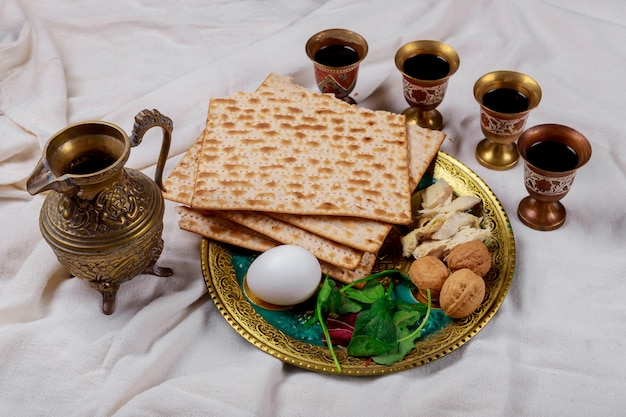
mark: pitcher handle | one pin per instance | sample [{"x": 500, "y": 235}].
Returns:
[{"x": 147, "y": 119}]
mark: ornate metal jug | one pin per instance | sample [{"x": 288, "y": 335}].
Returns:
[{"x": 104, "y": 222}]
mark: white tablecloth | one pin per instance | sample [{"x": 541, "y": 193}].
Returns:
[{"x": 556, "y": 347}]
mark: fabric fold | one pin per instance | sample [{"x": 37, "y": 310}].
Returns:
[{"x": 32, "y": 93}]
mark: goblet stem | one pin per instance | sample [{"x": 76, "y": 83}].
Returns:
[
  {"x": 430, "y": 119},
  {"x": 497, "y": 156},
  {"x": 540, "y": 215},
  {"x": 347, "y": 99}
]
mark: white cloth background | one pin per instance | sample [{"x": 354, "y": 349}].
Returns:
[{"x": 555, "y": 348}]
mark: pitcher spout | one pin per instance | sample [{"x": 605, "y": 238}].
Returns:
[{"x": 43, "y": 179}]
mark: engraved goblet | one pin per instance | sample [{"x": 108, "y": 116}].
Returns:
[
  {"x": 336, "y": 55},
  {"x": 552, "y": 154},
  {"x": 505, "y": 98},
  {"x": 426, "y": 67}
]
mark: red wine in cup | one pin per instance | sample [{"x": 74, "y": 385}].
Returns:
[
  {"x": 552, "y": 156},
  {"x": 426, "y": 67},
  {"x": 336, "y": 56},
  {"x": 505, "y": 100}
]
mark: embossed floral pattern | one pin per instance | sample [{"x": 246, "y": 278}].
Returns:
[
  {"x": 549, "y": 186},
  {"x": 423, "y": 96},
  {"x": 502, "y": 127},
  {"x": 117, "y": 206}
]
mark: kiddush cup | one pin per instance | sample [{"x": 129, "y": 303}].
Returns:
[
  {"x": 552, "y": 154},
  {"x": 505, "y": 98},
  {"x": 426, "y": 67},
  {"x": 336, "y": 55}
]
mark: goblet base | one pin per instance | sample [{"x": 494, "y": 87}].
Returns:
[
  {"x": 541, "y": 215},
  {"x": 430, "y": 119},
  {"x": 497, "y": 156}
]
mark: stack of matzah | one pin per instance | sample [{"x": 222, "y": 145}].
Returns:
[{"x": 285, "y": 165}]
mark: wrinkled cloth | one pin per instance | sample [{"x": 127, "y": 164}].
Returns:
[
  {"x": 555, "y": 347},
  {"x": 33, "y": 97}
]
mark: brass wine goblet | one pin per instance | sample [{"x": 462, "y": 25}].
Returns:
[
  {"x": 426, "y": 67},
  {"x": 505, "y": 98},
  {"x": 552, "y": 154},
  {"x": 336, "y": 55}
]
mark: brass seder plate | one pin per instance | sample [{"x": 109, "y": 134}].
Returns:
[{"x": 283, "y": 335}]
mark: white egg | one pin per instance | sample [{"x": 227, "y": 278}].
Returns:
[{"x": 284, "y": 275}]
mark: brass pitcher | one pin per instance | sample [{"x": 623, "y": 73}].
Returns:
[{"x": 104, "y": 222}]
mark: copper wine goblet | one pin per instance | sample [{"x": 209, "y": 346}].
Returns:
[
  {"x": 506, "y": 98},
  {"x": 552, "y": 154},
  {"x": 426, "y": 67},
  {"x": 336, "y": 55}
]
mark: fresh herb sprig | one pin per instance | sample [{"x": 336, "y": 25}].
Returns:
[
  {"x": 384, "y": 329},
  {"x": 323, "y": 297}
]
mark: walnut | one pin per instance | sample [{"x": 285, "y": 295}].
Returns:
[
  {"x": 462, "y": 293},
  {"x": 428, "y": 272},
  {"x": 473, "y": 255}
]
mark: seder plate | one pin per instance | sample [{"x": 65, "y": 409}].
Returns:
[{"x": 283, "y": 335}]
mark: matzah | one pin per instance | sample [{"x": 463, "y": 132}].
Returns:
[
  {"x": 276, "y": 85},
  {"x": 181, "y": 181},
  {"x": 423, "y": 146},
  {"x": 281, "y": 155},
  {"x": 347, "y": 276},
  {"x": 363, "y": 235},
  {"x": 323, "y": 249},
  {"x": 223, "y": 230}
]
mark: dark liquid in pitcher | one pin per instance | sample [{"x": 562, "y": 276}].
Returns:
[
  {"x": 426, "y": 67},
  {"x": 552, "y": 156},
  {"x": 336, "y": 56},
  {"x": 90, "y": 162},
  {"x": 505, "y": 100}
]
